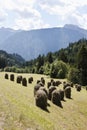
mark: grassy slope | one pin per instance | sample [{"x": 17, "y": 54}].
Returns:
[{"x": 18, "y": 110}]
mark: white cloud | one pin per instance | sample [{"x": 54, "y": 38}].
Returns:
[
  {"x": 22, "y": 14},
  {"x": 75, "y": 3},
  {"x": 64, "y": 2},
  {"x": 26, "y": 3},
  {"x": 58, "y": 10},
  {"x": 28, "y": 24},
  {"x": 3, "y": 15},
  {"x": 27, "y": 14},
  {"x": 66, "y": 10},
  {"x": 7, "y": 4}
]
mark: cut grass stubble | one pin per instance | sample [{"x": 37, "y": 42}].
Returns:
[{"x": 18, "y": 110}]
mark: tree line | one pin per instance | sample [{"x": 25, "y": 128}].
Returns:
[
  {"x": 70, "y": 63},
  {"x": 10, "y": 60}
]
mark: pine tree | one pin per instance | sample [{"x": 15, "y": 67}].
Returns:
[
  {"x": 50, "y": 57},
  {"x": 40, "y": 62},
  {"x": 82, "y": 65},
  {"x": 62, "y": 56}
]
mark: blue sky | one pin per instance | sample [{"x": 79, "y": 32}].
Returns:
[{"x": 35, "y": 14}]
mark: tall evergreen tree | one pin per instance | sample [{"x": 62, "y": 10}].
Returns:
[
  {"x": 50, "y": 57},
  {"x": 40, "y": 62},
  {"x": 63, "y": 56},
  {"x": 82, "y": 64},
  {"x": 3, "y": 62}
]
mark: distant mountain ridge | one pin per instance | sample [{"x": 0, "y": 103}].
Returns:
[{"x": 29, "y": 44}]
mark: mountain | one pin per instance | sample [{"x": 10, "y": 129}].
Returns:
[
  {"x": 67, "y": 55},
  {"x": 29, "y": 44},
  {"x": 6, "y": 33}
]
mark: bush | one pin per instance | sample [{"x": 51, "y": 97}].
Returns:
[
  {"x": 7, "y": 69},
  {"x": 41, "y": 70},
  {"x": 73, "y": 75},
  {"x": 53, "y": 71},
  {"x": 47, "y": 68},
  {"x": 58, "y": 70}
]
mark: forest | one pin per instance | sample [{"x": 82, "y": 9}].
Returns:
[{"x": 70, "y": 63}]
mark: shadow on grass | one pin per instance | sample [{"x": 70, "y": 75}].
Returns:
[
  {"x": 61, "y": 106},
  {"x": 69, "y": 98},
  {"x": 46, "y": 110},
  {"x": 63, "y": 100},
  {"x": 58, "y": 104},
  {"x": 48, "y": 105}
]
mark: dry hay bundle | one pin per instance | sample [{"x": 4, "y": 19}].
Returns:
[
  {"x": 36, "y": 88},
  {"x": 78, "y": 88},
  {"x": 24, "y": 82},
  {"x": 51, "y": 89},
  {"x": 61, "y": 92},
  {"x": 19, "y": 79},
  {"x": 12, "y": 77},
  {"x": 41, "y": 99},
  {"x": 48, "y": 84},
  {"x": 6, "y": 76},
  {"x": 65, "y": 85},
  {"x": 67, "y": 92},
  {"x": 56, "y": 99},
  {"x": 30, "y": 80},
  {"x": 43, "y": 80},
  {"x": 57, "y": 83},
  {"x": 44, "y": 89}
]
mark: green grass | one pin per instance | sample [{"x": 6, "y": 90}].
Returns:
[{"x": 18, "y": 110}]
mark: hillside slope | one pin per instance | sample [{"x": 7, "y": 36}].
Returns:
[
  {"x": 18, "y": 110},
  {"x": 41, "y": 41},
  {"x": 6, "y": 33},
  {"x": 7, "y": 59}
]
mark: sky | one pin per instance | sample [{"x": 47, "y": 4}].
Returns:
[{"x": 36, "y": 14}]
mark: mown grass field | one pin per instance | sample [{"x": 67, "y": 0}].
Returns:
[{"x": 18, "y": 110}]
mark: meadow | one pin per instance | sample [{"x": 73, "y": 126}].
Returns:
[{"x": 19, "y": 112}]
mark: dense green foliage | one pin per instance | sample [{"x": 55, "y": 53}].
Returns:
[
  {"x": 58, "y": 70},
  {"x": 10, "y": 59},
  {"x": 68, "y": 63},
  {"x": 73, "y": 75},
  {"x": 82, "y": 64}
]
